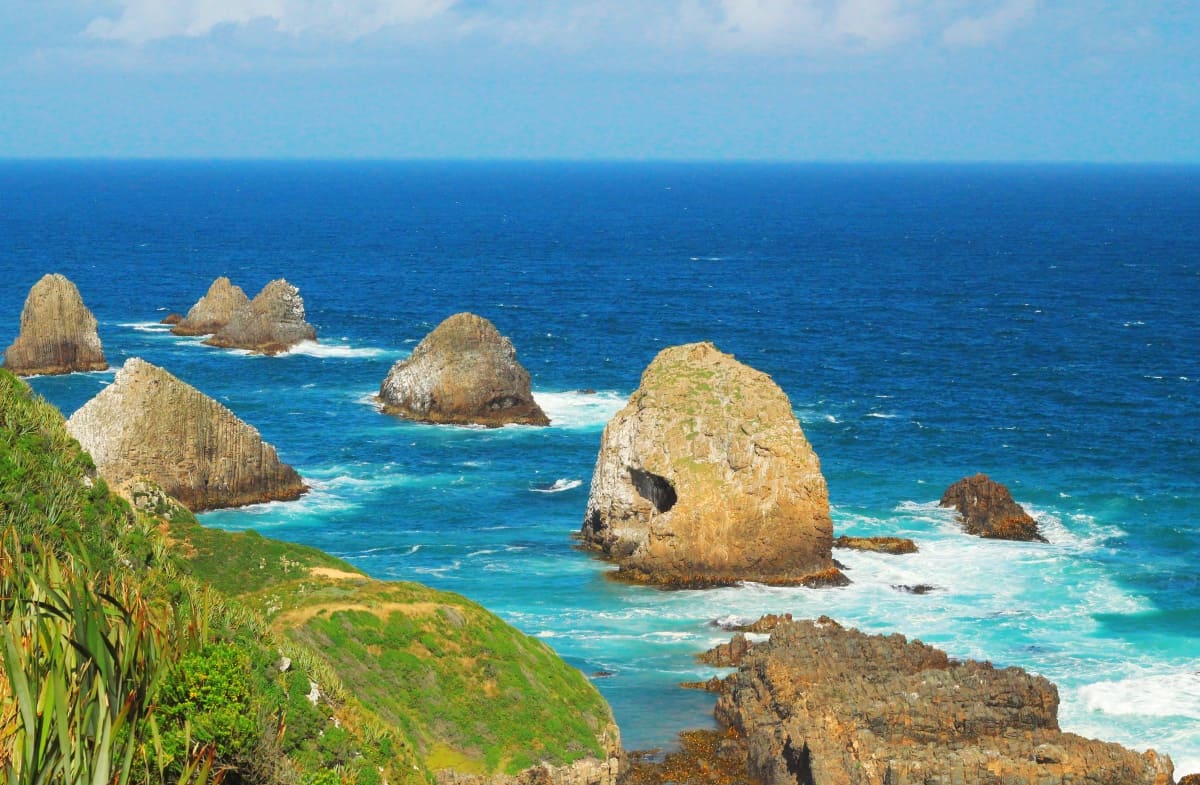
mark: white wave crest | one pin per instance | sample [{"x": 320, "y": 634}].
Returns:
[
  {"x": 338, "y": 350},
  {"x": 559, "y": 486},
  {"x": 146, "y": 327},
  {"x": 580, "y": 409},
  {"x": 1155, "y": 695},
  {"x": 882, "y": 415}
]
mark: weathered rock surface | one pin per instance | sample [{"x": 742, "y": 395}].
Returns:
[
  {"x": 150, "y": 425},
  {"x": 727, "y": 655},
  {"x": 988, "y": 510},
  {"x": 214, "y": 310},
  {"x": 897, "y": 546},
  {"x": 271, "y": 323},
  {"x": 464, "y": 372},
  {"x": 705, "y": 478},
  {"x": 58, "y": 333},
  {"x": 818, "y": 703}
]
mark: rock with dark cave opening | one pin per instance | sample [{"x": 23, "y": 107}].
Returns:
[
  {"x": 705, "y": 478},
  {"x": 464, "y": 372},
  {"x": 988, "y": 510},
  {"x": 58, "y": 333}
]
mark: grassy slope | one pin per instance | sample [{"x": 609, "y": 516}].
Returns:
[
  {"x": 417, "y": 679},
  {"x": 470, "y": 691}
]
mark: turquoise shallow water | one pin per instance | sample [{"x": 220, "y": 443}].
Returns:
[{"x": 1038, "y": 324}]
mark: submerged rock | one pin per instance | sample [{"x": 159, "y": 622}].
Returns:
[
  {"x": 464, "y": 372},
  {"x": 58, "y": 333},
  {"x": 271, "y": 323},
  {"x": 705, "y": 478},
  {"x": 988, "y": 510},
  {"x": 212, "y": 311},
  {"x": 150, "y": 425},
  {"x": 897, "y": 546},
  {"x": 821, "y": 703}
]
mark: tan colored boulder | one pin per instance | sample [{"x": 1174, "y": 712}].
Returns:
[
  {"x": 464, "y": 372},
  {"x": 150, "y": 425},
  {"x": 58, "y": 333},
  {"x": 214, "y": 310},
  {"x": 705, "y": 478},
  {"x": 271, "y": 323}
]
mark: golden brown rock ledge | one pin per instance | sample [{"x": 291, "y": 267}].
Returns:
[
  {"x": 819, "y": 703},
  {"x": 464, "y": 372},
  {"x": 705, "y": 478},
  {"x": 58, "y": 333},
  {"x": 150, "y": 425}
]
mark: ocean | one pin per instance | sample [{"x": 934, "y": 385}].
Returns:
[{"x": 1037, "y": 323}]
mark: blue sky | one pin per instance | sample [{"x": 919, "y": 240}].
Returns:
[{"x": 807, "y": 80}]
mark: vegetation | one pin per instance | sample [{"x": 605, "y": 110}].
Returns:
[{"x": 141, "y": 647}]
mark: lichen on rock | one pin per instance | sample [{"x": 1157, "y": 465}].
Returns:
[
  {"x": 706, "y": 478},
  {"x": 988, "y": 510},
  {"x": 463, "y": 372},
  {"x": 150, "y": 425},
  {"x": 214, "y": 310},
  {"x": 58, "y": 333},
  {"x": 271, "y": 323}
]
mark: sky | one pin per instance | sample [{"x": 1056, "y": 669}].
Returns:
[{"x": 788, "y": 80}]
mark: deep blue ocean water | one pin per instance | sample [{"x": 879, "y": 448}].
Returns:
[{"x": 1040, "y": 324}]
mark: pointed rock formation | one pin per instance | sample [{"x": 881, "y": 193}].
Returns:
[
  {"x": 214, "y": 310},
  {"x": 58, "y": 333},
  {"x": 271, "y": 323},
  {"x": 463, "y": 372},
  {"x": 819, "y": 703},
  {"x": 150, "y": 425},
  {"x": 705, "y": 478},
  {"x": 988, "y": 510}
]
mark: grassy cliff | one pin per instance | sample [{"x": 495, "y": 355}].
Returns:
[{"x": 139, "y": 646}]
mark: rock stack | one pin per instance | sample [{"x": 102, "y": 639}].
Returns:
[
  {"x": 150, "y": 425},
  {"x": 214, "y": 310},
  {"x": 705, "y": 478},
  {"x": 58, "y": 333},
  {"x": 988, "y": 510},
  {"x": 819, "y": 703},
  {"x": 464, "y": 372},
  {"x": 271, "y": 323}
]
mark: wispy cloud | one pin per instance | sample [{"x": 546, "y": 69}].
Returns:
[
  {"x": 148, "y": 20},
  {"x": 805, "y": 26},
  {"x": 991, "y": 27}
]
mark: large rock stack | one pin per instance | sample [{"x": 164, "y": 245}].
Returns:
[
  {"x": 464, "y": 372},
  {"x": 705, "y": 478},
  {"x": 58, "y": 333},
  {"x": 271, "y": 323},
  {"x": 150, "y": 425},
  {"x": 214, "y": 310},
  {"x": 988, "y": 510}
]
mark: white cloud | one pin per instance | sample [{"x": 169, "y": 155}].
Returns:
[
  {"x": 147, "y": 20},
  {"x": 991, "y": 27},
  {"x": 798, "y": 25}
]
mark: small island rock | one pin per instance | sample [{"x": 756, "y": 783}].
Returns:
[
  {"x": 705, "y": 478},
  {"x": 150, "y": 425},
  {"x": 464, "y": 372},
  {"x": 58, "y": 333},
  {"x": 214, "y": 310},
  {"x": 271, "y": 323},
  {"x": 988, "y": 510}
]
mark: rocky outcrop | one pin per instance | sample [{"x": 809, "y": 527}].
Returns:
[
  {"x": 271, "y": 323},
  {"x": 818, "y": 703},
  {"x": 214, "y": 310},
  {"x": 705, "y": 478},
  {"x": 988, "y": 510},
  {"x": 897, "y": 546},
  {"x": 58, "y": 333},
  {"x": 150, "y": 425},
  {"x": 464, "y": 372},
  {"x": 727, "y": 655}
]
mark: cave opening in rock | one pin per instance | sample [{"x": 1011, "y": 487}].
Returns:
[
  {"x": 655, "y": 489},
  {"x": 799, "y": 762}
]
